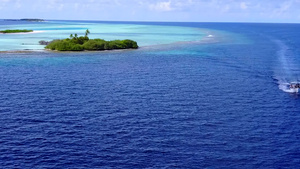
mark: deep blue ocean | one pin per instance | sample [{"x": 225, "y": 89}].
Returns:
[{"x": 181, "y": 105}]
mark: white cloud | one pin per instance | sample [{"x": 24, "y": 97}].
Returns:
[
  {"x": 3, "y": 3},
  {"x": 225, "y": 8},
  {"x": 285, "y": 6},
  {"x": 51, "y": 4},
  {"x": 76, "y": 6},
  {"x": 60, "y": 7},
  {"x": 117, "y": 2},
  {"x": 283, "y": 9},
  {"x": 173, "y": 10},
  {"x": 56, "y": 5},
  {"x": 243, "y": 5},
  {"x": 18, "y": 4},
  {"x": 161, "y": 6}
]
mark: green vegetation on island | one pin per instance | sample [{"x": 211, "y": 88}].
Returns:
[
  {"x": 28, "y": 20},
  {"x": 32, "y": 20},
  {"x": 75, "y": 43},
  {"x": 16, "y": 31}
]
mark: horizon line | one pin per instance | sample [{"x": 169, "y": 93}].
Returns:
[{"x": 157, "y": 21}]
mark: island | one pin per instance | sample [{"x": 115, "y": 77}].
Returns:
[
  {"x": 83, "y": 43},
  {"x": 33, "y": 20},
  {"x": 28, "y": 20},
  {"x": 16, "y": 31}
]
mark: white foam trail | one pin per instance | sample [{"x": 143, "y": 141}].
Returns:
[
  {"x": 284, "y": 86},
  {"x": 287, "y": 72},
  {"x": 282, "y": 53}
]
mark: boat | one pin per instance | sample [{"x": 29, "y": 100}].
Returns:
[{"x": 294, "y": 87}]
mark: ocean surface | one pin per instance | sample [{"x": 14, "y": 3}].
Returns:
[{"x": 194, "y": 95}]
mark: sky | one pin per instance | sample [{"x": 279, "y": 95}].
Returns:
[{"x": 274, "y": 11}]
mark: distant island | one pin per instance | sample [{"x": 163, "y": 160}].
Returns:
[
  {"x": 75, "y": 43},
  {"x": 33, "y": 20},
  {"x": 16, "y": 31},
  {"x": 28, "y": 20}
]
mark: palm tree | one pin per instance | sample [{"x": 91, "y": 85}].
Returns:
[
  {"x": 71, "y": 36},
  {"x": 87, "y": 32},
  {"x": 75, "y": 35}
]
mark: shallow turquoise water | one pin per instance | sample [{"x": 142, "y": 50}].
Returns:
[{"x": 145, "y": 35}]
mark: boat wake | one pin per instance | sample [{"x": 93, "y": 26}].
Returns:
[{"x": 287, "y": 72}]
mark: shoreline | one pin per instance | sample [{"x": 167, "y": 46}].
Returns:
[
  {"x": 208, "y": 39},
  {"x": 56, "y": 51},
  {"x": 17, "y": 51}
]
